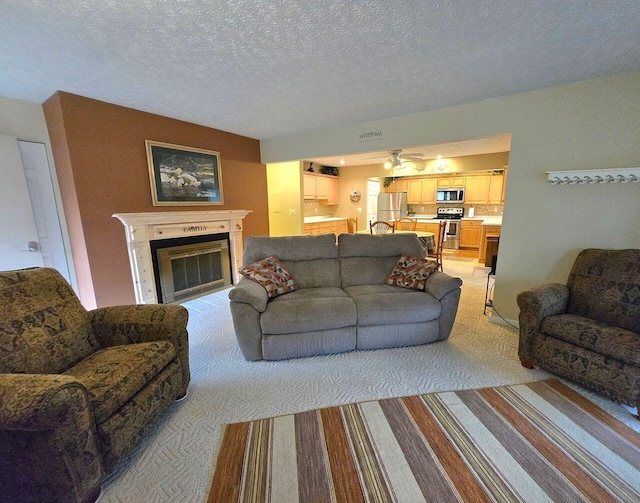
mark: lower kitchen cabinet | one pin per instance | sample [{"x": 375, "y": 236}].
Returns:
[
  {"x": 335, "y": 226},
  {"x": 487, "y": 231},
  {"x": 470, "y": 233}
]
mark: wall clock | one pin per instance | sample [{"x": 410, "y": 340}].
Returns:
[{"x": 355, "y": 196}]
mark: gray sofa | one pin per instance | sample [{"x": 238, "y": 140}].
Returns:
[{"x": 343, "y": 302}]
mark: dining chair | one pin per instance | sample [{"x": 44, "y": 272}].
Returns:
[
  {"x": 352, "y": 225},
  {"x": 381, "y": 227},
  {"x": 436, "y": 255},
  {"x": 406, "y": 224}
]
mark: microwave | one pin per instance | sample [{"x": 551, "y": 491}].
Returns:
[{"x": 450, "y": 195}]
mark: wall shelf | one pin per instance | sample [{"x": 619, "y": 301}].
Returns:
[{"x": 588, "y": 176}]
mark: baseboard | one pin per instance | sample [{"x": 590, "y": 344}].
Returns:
[{"x": 494, "y": 318}]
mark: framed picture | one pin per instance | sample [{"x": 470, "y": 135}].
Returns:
[{"x": 183, "y": 175}]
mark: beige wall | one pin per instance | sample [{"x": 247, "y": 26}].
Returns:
[
  {"x": 584, "y": 125},
  {"x": 284, "y": 184}
]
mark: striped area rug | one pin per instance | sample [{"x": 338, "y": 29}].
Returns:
[{"x": 536, "y": 442}]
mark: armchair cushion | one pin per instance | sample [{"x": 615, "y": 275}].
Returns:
[
  {"x": 113, "y": 375},
  {"x": 605, "y": 339}
]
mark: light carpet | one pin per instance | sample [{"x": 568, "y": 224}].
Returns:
[
  {"x": 175, "y": 461},
  {"x": 537, "y": 442}
]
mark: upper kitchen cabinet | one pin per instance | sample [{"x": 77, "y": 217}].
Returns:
[
  {"x": 477, "y": 189},
  {"x": 309, "y": 185},
  {"x": 398, "y": 185},
  {"x": 324, "y": 188},
  {"x": 422, "y": 191},
  {"x": 452, "y": 182},
  {"x": 496, "y": 188},
  {"x": 486, "y": 188}
]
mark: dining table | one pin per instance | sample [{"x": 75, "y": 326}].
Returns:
[{"x": 427, "y": 239}]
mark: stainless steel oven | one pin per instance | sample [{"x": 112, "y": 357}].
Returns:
[{"x": 452, "y": 232}]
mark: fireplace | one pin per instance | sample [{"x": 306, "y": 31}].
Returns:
[
  {"x": 149, "y": 233},
  {"x": 185, "y": 268}
]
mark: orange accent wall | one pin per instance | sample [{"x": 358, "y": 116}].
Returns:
[{"x": 101, "y": 162}]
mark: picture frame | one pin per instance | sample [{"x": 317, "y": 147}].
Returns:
[{"x": 183, "y": 176}]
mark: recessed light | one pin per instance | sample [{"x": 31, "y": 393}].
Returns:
[
  {"x": 388, "y": 165},
  {"x": 341, "y": 161},
  {"x": 438, "y": 157}
]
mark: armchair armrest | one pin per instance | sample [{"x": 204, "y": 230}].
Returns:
[
  {"x": 53, "y": 416},
  {"x": 118, "y": 325},
  {"x": 250, "y": 292},
  {"x": 535, "y": 305},
  {"x": 440, "y": 284}
]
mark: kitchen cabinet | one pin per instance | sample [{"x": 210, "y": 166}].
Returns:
[
  {"x": 451, "y": 182},
  {"x": 422, "y": 190},
  {"x": 308, "y": 186},
  {"x": 331, "y": 226},
  {"x": 496, "y": 189},
  {"x": 470, "y": 233},
  {"x": 397, "y": 186},
  {"x": 324, "y": 188},
  {"x": 487, "y": 231},
  {"x": 477, "y": 189}
]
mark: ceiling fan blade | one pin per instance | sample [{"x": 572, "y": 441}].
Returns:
[
  {"x": 406, "y": 158},
  {"x": 412, "y": 154},
  {"x": 377, "y": 157}
]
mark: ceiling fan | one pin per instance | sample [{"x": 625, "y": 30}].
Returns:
[{"x": 396, "y": 158}]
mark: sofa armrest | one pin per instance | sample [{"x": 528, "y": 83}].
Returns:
[
  {"x": 52, "y": 415},
  {"x": 440, "y": 284},
  {"x": 535, "y": 305},
  {"x": 250, "y": 292},
  {"x": 118, "y": 325}
]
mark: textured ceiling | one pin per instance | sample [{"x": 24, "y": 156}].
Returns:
[
  {"x": 489, "y": 145},
  {"x": 272, "y": 68}
]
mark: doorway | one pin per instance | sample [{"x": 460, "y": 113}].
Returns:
[{"x": 373, "y": 189}]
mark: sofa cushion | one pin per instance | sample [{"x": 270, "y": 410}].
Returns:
[
  {"x": 607, "y": 340},
  {"x": 272, "y": 275},
  {"x": 311, "y": 260},
  {"x": 115, "y": 374},
  {"x": 307, "y": 310},
  {"x": 43, "y": 327},
  {"x": 411, "y": 272},
  {"x": 604, "y": 286},
  {"x": 389, "y": 305},
  {"x": 367, "y": 259}
]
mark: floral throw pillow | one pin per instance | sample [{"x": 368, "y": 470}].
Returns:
[
  {"x": 271, "y": 274},
  {"x": 411, "y": 272}
]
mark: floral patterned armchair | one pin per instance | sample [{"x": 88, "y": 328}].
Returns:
[
  {"x": 78, "y": 388},
  {"x": 588, "y": 331}
]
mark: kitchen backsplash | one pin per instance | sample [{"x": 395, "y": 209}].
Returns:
[
  {"x": 481, "y": 209},
  {"x": 315, "y": 209}
]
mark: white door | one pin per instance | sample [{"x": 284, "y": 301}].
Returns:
[
  {"x": 373, "y": 189},
  {"x": 17, "y": 223},
  {"x": 43, "y": 204}
]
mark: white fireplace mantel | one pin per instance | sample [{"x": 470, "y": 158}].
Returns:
[{"x": 141, "y": 228}]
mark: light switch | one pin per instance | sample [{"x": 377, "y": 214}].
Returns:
[
  {"x": 359, "y": 210},
  {"x": 292, "y": 212}
]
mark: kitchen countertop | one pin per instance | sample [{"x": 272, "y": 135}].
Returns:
[
  {"x": 322, "y": 218},
  {"x": 486, "y": 220}
]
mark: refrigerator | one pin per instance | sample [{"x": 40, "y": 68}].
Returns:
[{"x": 392, "y": 205}]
